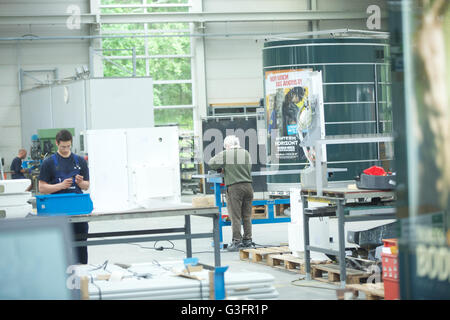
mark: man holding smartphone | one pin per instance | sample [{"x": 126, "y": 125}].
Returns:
[{"x": 65, "y": 172}]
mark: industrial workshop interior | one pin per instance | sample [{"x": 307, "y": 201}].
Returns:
[{"x": 239, "y": 151}]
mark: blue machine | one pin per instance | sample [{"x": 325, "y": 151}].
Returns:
[{"x": 31, "y": 164}]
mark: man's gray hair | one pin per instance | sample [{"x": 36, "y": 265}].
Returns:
[{"x": 231, "y": 142}]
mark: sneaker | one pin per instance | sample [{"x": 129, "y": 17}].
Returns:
[
  {"x": 247, "y": 243},
  {"x": 234, "y": 246}
]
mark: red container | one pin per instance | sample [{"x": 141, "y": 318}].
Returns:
[
  {"x": 389, "y": 263},
  {"x": 390, "y": 266},
  {"x": 390, "y": 242},
  {"x": 391, "y": 289}
]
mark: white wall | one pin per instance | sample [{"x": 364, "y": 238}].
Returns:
[{"x": 29, "y": 55}]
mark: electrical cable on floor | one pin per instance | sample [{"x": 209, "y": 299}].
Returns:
[
  {"x": 256, "y": 245},
  {"x": 99, "y": 290},
  {"x": 161, "y": 248},
  {"x": 156, "y": 262},
  {"x": 309, "y": 286},
  {"x": 103, "y": 266}
]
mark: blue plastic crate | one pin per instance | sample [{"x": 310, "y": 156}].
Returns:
[{"x": 64, "y": 204}]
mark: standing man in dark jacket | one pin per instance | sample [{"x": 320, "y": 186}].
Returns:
[
  {"x": 16, "y": 165},
  {"x": 65, "y": 172},
  {"x": 236, "y": 164}
]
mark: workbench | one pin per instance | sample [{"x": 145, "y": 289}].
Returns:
[
  {"x": 343, "y": 200},
  {"x": 218, "y": 180},
  {"x": 176, "y": 233}
]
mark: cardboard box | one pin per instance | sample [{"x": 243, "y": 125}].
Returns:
[{"x": 204, "y": 201}]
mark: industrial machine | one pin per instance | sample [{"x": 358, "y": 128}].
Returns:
[{"x": 43, "y": 143}]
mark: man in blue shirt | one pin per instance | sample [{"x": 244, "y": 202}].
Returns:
[
  {"x": 65, "y": 172},
  {"x": 16, "y": 165}
]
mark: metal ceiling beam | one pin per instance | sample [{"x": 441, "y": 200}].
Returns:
[{"x": 184, "y": 17}]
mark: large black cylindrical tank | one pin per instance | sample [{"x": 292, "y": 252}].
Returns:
[{"x": 356, "y": 95}]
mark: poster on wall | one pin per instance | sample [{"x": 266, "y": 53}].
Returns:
[
  {"x": 425, "y": 233},
  {"x": 294, "y": 113}
]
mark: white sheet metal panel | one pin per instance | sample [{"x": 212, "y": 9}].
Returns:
[
  {"x": 36, "y": 113},
  {"x": 120, "y": 103},
  {"x": 69, "y": 109},
  {"x": 87, "y": 104},
  {"x": 20, "y": 211},
  {"x": 107, "y": 151},
  {"x": 145, "y": 161},
  {"x": 14, "y": 186},
  {"x": 151, "y": 281}
]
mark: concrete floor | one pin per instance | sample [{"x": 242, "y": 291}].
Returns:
[{"x": 264, "y": 234}]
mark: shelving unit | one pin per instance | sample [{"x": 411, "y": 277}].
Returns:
[
  {"x": 188, "y": 165},
  {"x": 227, "y": 109}
]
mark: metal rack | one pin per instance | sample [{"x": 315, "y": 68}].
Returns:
[
  {"x": 343, "y": 139},
  {"x": 233, "y": 109},
  {"x": 188, "y": 165}
]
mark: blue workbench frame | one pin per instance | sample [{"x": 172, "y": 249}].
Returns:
[{"x": 271, "y": 218}]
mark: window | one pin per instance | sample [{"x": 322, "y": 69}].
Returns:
[{"x": 160, "y": 50}]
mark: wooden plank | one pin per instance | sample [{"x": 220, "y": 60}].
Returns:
[
  {"x": 259, "y": 212},
  {"x": 258, "y": 255},
  {"x": 290, "y": 262},
  {"x": 373, "y": 291},
  {"x": 244, "y": 254},
  {"x": 333, "y": 270}
]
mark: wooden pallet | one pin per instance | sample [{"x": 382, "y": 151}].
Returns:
[
  {"x": 259, "y": 255},
  {"x": 259, "y": 212},
  {"x": 290, "y": 262},
  {"x": 353, "y": 276},
  {"x": 373, "y": 291}
]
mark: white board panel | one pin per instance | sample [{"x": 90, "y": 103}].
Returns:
[
  {"x": 134, "y": 168},
  {"x": 121, "y": 103},
  {"x": 68, "y": 109},
  {"x": 108, "y": 170}
]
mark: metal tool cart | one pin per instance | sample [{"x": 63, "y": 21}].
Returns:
[
  {"x": 343, "y": 200},
  {"x": 154, "y": 234}
]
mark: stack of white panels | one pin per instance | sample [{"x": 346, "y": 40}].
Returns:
[
  {"x": 14, "y": 199},
  {"x": 150, "y": 281}
]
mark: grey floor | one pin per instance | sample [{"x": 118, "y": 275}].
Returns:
[{"x": 291, "y": 286}]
